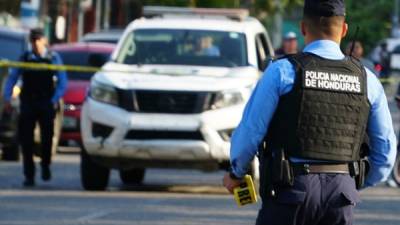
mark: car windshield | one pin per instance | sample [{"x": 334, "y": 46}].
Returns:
[
  {"x": 79, "y": 58},
  {"x": 184, "y": 47}
]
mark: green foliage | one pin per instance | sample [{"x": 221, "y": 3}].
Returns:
[
  {"x": 195, "y": 3},
  {"x": 217, "y": 3},
  {"x": 11, "y": 7},
  {"x": 182, "y": 3},
  {"x": 373, "y": 17},
  {"x": 271, "y": 6}
]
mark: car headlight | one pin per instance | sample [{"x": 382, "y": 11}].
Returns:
[
  {"x": 227, "y": 98},
  {"x": 103, "y": 93}
]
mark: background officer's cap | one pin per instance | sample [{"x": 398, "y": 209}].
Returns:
[
  {"x": 325, "y": 8},
  {"x": 290, "y": 36},
  {"x": 36, "y": 33}
]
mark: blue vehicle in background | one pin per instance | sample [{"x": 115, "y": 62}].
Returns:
[{"x": 13, "y": 43}]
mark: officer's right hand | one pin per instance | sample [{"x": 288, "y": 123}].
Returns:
[{"x": 230, "y": 183}]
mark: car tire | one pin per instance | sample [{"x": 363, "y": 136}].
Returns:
[
  {"x": 94, "y": 177},
  {"x": 133, "y": 176},
  {"x": 396, "y": 171},
  {"x": 11, "y": 153}
]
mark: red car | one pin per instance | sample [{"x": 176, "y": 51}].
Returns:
[{"x": 79, "y": 54}]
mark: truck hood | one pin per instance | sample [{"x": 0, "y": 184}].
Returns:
[{"x": 176, "y": 77}]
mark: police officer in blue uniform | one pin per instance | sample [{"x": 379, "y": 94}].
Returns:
[
  {"x": 40, "y": 93},
  {"x": 307, "y": 120}
]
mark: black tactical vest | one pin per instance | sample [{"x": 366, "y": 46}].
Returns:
[
  {"x": 37, "y": 84},
  {"x": 324, "y": 116}
]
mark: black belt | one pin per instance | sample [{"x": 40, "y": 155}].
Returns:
[{"x": 303, "y": 169}]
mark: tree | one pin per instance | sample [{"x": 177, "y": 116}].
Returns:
[
  {"x": 373, "y": 17},
  {"x": 11, "y": 7}
]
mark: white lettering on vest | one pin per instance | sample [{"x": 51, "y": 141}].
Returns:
[{"x": 332, "y": 81}]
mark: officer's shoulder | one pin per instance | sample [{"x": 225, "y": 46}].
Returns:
[
  {"x": 54, "y": 54},
  {"x": 373, "y": 79},
  {"x": 25, "y": 55},
  {"x": 282, "y": 59},
  {"x": 282, "y": 62},
  {"x": 369, "y": 74}
]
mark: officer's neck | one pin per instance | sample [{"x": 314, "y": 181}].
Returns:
[
  {"x": 309, "y": 39},
  {"x": 40, "y": 52}
]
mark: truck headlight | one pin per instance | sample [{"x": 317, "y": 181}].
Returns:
[
  {"x": 227, "y": 98},
  {"x": 103, "y": 93}
]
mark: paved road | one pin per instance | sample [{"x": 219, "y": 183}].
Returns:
[{"x": 169, "y": 197}]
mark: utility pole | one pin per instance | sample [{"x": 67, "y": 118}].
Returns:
[
  {"x": 277, "y": 26},
  {"x": 395, "y": 19}
]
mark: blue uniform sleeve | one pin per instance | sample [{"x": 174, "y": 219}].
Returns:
[
  {"x": 257, "y": 115},
  {"x": 61, "y": 80},
  {"x": 381, "y": 134},
  {"x": 10, "y": 83}
]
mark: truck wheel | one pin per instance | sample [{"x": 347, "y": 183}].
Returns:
[
  {"x": 11, "y": 153},
  {"x": 94, "y": 177},
  {"x": 133, "y": 176},
  {"x": 396, "y": 170}
]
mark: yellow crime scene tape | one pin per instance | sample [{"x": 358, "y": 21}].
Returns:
[
  {"x": 69, "y": 68},
  {"x": 91, "y": 69},
  {"x": 44, "y": 66},
  {"x": 246, "y": 193}
]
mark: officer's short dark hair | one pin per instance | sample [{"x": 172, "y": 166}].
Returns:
[
  {"x": 324, "y": 17},
  {"x": 323, "y": 26},
  {"x": 36, "y": 33}
]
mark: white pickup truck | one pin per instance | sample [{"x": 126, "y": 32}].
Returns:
[{"x": 172, "y": 94}]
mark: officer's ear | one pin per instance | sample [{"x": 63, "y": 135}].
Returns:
[
  {"x": 345, "y": 28},
  {"x": 302, "y": 28}
]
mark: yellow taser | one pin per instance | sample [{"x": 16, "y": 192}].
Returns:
[{"x": 245, "y": 193}]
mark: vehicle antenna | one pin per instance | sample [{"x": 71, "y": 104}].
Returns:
[{"x": 354, "y": 41}]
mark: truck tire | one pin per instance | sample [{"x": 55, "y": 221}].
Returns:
[
  {"x": 11, "y": 153},
  {"x": 94, "y": 177},
  {"x": 396, "y": 170},
  {"x": 133, "y": 176}
]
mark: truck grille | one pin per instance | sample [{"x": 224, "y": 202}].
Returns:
[
  {"x": 163, "y": 135},
  {"x": 178, "y": 102}
]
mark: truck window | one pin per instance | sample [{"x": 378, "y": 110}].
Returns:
[
  {"x": 261, "y": 52},
  {"x": 184, "y": 47}
]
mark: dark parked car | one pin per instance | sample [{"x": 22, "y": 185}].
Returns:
[{"x": 13, "y": 43}]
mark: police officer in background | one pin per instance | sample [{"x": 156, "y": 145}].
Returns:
[
  {"x": 40, "y": 93},
  {"x": 289, "y": 45},
  {"x": 309, "y": 115}
]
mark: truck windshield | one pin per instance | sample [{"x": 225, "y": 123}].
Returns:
[{"x": 184, "y": 47}]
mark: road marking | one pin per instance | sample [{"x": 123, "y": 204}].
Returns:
[
  {"x": 93, "y": 216},
  {"x": 108, "y": 194}
]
